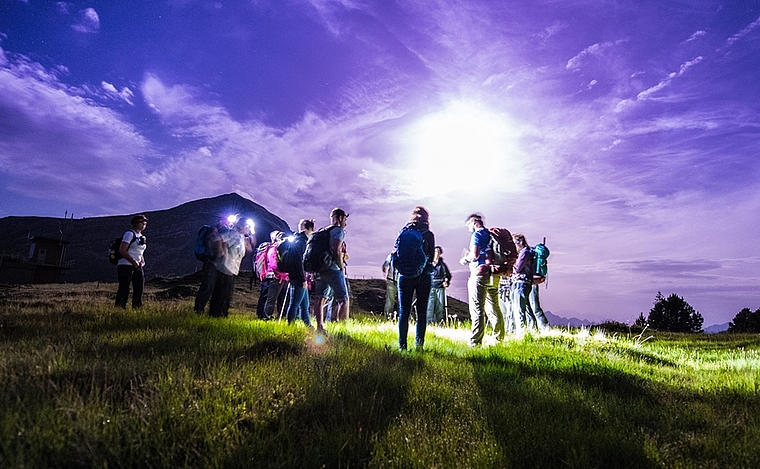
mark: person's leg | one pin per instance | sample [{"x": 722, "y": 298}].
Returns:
[
  {"x": 390, "y": 299},
  {"x": 124, "y": 273},
  {"x": 208, "y": 278},
  {"x": 273, "y": 292},
  {"x": 518, "y": 314},
  {"x": 432, "y": 306},
  {"x": 337, "y": 281},
  {"x": 216, "y": 304},
  {"x": 405, "y": 288},
  {"x": 318, "y": 307},
  {"x": 297, "y": 293},
  {"x": 304, "y": 308},
  {"x": 422, "y": 288},
  {"x": 535, "y": 305},
  {"x": 476, "y": 290},
  {"x": 493, "y": 310},
  {"x": 138, "y": 285},
  {"x": 506, "y": 310},
  {"x": 263, "y": 294}
]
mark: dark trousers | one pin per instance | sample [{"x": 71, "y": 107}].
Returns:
[
  {"x": 408, "y": 287},
  {"x": 128, "y": 274},
  {"x": 208, "y": 280},
  {"x": 221, "y": 297}
]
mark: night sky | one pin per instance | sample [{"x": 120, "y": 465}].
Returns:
[{"x": 627, "y": 133}]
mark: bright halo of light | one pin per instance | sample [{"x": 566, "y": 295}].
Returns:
[
  {"x": 231, "y": 219},
  {"x": 464, "y": 146}
]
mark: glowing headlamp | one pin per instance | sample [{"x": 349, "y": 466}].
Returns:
[{"x": 250, "y": 224}]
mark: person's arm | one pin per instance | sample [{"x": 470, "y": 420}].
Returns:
[
  {"x": 337, "y": 248},
  {"x": 250, "y": 242},
  {"x": 124, "y": 251}
]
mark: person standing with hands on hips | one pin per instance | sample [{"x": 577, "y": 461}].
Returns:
[{"x": 130, "y": 266}]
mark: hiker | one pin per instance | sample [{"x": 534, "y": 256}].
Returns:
[
  {"x": 130, "y": 267},
  {"x": 235, "y": 243},
  {"x": 391, "y": 288},
  {"x": 298, "y": 304},
  {"x": 521, "y": 284},
  {"x": 413, "y": 259},
  {"x": 441, "y": 281},
  {"x": 276, "y": 281},
  {"x": 213, "y": 246},
  {"x": 330, "y": 274},
  {"x": 482, "y": 287}
]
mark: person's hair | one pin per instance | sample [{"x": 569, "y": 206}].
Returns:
[
  {"x": 137, "y": 219},
  {"x": 476, "y": 217},
  {"x": 519, "y": 238},
  {"x": 439, "y": 249},
  {"x": 274, "y": 235},
  {"x": 308, "y": 224},
  {"x": 420, "y": 214}
]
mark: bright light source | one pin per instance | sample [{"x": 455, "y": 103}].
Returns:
[
  {"x": 291, "y": 238},
  {"x": 231, "y": 219},
  {"x": 251, "y": 225}
]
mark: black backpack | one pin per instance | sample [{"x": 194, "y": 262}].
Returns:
[
  {"x": 113, "y": 249},
  {"x": 317, "y": 255},
  {"x": 201, "y": 244}
]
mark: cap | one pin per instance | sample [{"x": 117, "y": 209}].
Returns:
[{"x": 338, "y": 212}]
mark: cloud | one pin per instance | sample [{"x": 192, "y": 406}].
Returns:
[
  {"x": 594, "y": 50},
  {"x": 736, "y": 37},
  {"x": 88, "y": 22},
  {"x": 696, "y": 35},
  {"x": 125, "y": 94}
]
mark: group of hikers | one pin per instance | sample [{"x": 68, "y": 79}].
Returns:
[{"x": 505, "y": 273}]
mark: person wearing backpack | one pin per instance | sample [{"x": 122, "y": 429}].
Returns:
[
  {"x": 482, "y": 286},
  {"x": 441, "y": 280},
  {"x": 276, "y": 280},
  {"x": 130, "y": 267},
  {"x": 235, "y": 243},
  {"x": 391, "y": 288},
  {"x": 413, "y": 259},
  {"x": 212, "y": 247},
  {"x": 541, "y": 253},
  {"x": 298, "y": 304},
  {"x": 521, "y": 284},
  {"x": 330, "y": 270}
]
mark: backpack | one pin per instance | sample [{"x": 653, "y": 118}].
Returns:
[
  {"x": 409, "y": 257},
  {"x": 260, "y": 260},
  {"x": 113, "y": 249},
  {"x": 290, "y": 255},
  {"x": 317, "y": 255},
  {"x": 502, "y": 252},
  {"x": 540, "y": 254},
  {"x": 202, "y": 252}
]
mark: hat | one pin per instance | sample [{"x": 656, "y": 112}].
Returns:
[
  {"x": 138, "y": 218},
  {"x": 338, "y": 212}
]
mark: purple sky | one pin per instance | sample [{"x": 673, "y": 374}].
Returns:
[{"x": 627, "y": 133}]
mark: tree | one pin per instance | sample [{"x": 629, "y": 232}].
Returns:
[
  {"x": 745, "y": 321},
  {"x": 641, "y": 321},
  {"x": 673, "y": 314}
]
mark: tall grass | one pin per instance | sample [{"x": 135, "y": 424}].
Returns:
[{"x": 83, "y": 384}]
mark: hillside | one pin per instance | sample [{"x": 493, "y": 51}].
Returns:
[{"x": 171, "y": 236}]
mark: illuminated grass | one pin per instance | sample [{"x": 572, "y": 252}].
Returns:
[{"x": 83, "y": 384}]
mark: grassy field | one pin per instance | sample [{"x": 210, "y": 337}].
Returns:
[{"x": 83, "y": 384}]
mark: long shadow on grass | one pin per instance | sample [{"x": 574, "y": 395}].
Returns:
[
  {"x": 585, "y": 416},
  {"x": 355, "y": 393}
]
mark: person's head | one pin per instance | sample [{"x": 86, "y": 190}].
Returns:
[
  {"x": 520, "y": 240},
  {"x": 338, "y": 217},
  {"x": 242, "y": 227},
  {"x": 139, "y": 222},
  {"x": 474, "y": 222},
  {"x": 420, "y": 215},
  {"x": 275, "y": 236},
  {"x": 306, "y": 226},
  {"x": 438, "y": 252}
]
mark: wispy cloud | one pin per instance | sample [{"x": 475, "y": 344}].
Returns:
[
  {"x": 88, "y": 22},
  {"x": 738, "y": 36}
]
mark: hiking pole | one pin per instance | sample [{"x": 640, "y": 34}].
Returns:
[
  {"x": 285, "y": 303},
  {"x": 546, "y": 280},
  {"x": 449, "y": 322}
]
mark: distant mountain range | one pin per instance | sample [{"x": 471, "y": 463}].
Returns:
[
  {"x": 555, "y": 320},
  {"x": 170, "y": 237}
]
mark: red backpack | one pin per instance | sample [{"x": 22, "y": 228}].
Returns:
[{"x": 502, "y": 252}]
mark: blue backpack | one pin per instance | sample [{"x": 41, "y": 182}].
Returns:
[
  {"x": 201, "y": 244},
  {"x": 409, "y": 258},
  {"x": 540, "y": 255}
]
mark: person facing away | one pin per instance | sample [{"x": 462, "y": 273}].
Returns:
[
  {"x": 440, "y": 282},
  {"x": 333, "y": 274},
  {"x": 391, "y": 288},
  {"x": 482, "y": 288},
  {"x": 276, "y": 282},
  {"x": 419, "y": 285},
  {"x": 298, "y": 305},
  {"x": 235, "y": 243},
  {"x": 208, "y": 272},
  {"x": 130, "y": 267}
]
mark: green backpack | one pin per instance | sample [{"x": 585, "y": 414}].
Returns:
[{"x": 540, "y": 254}]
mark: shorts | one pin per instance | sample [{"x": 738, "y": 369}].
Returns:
[{"x": 334, "y": 279}]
